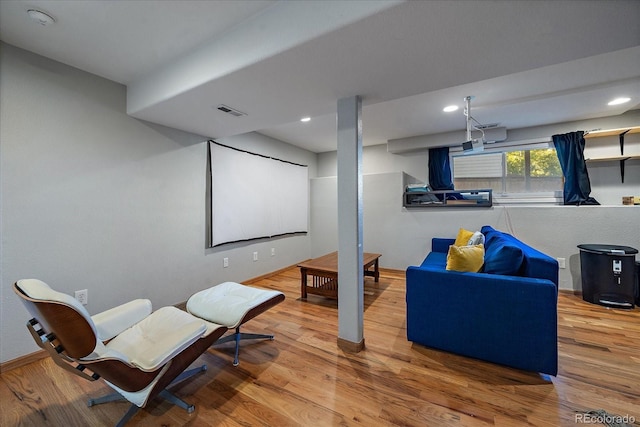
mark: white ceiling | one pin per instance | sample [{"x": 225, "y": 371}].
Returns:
[{"x": 526, "y": 63}]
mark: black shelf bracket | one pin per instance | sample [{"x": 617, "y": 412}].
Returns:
[{"x": 621, "y": 137}]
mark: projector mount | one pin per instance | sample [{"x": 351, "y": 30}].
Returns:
[{"x": 467, "y": 114}]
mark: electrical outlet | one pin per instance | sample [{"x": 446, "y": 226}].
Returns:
[
  {"x": 273, "y": 251},
  {"x": 255, "y": 256},
  {"x": 225, "y": 262},
  {"x": 82, "y": 296},
  {"x": 562, "y": 263}
]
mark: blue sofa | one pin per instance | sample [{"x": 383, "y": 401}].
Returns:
[{"x": 505, "y": 314}]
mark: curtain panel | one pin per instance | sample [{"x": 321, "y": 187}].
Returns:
[
  {"x": 440, "y": 169},
  {"x": 570, "y": 151}
]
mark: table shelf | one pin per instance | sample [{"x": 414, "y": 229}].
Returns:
[{"x": 448, "y": 198}]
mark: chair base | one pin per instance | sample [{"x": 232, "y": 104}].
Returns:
[
  {"x": 165, "y": 394},
  {"x": 237, "y": 337}
]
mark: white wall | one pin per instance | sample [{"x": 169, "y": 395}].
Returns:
[
  {"x": 376, "y": 159},
  {"x": 403, "y": 236},
  {"x": 94, "y": 199},
  {"x": 606, "y": 185}
]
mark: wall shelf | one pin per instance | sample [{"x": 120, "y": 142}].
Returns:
[
  {"x": 612, "y": 132},
  {"x": 610, "y": 159},
  {"x": 622, "y": 158}
]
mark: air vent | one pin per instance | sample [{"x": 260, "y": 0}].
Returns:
[
  {"x": 229, "y": 110},
  {"x": 487, "y": 126}
]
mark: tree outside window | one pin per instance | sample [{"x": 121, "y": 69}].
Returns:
[{"x": 532, "y": 171}]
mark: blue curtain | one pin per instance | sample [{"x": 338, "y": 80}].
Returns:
[
  {"x": 440, "y": 169},
  {"x": 570, "y": 150}
]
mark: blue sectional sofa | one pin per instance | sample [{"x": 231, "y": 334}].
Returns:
[{"x": 505, "y": 314}]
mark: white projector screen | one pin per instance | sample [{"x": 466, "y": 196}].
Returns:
[{"x": 255, "y": 196}]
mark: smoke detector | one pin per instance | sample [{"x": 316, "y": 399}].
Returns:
[{"x": 41, "y": 17}]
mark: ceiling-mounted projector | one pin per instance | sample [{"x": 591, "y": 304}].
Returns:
[{"x": 472, "y": 146}]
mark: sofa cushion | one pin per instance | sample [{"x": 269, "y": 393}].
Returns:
[
  {"x": 462, "y": 239},
  {"x": 502, "y": 256},
  {"x": 534, "y": 264},
  {"x": 436, "y": 260},
  {"x": 465, "y": 258},
  {"x": 487, "y": 230}
]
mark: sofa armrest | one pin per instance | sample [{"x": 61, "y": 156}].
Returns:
[
  {"x": 439, "y": 244},
  {"x": 503, "y": 319}
]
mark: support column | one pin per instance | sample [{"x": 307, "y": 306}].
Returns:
[{"x": 350, "y": 268}]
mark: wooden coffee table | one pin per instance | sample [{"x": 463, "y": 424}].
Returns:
[{"x": 324, "y": 274}]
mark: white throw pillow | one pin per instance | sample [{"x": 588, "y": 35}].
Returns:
[{"x": 476, "y": 239}]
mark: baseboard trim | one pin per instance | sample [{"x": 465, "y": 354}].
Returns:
[
  {"x": 570, "y": 292},
  {"x": 23, "y": 360},
  {"x": 267, "y": 275}
]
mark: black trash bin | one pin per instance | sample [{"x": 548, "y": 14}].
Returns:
[
  {"x": 638, "y": 283},
  {"x": 608, "y": 274}
]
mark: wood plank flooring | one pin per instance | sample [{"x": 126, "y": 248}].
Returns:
[{"x": 303, "y": 379}]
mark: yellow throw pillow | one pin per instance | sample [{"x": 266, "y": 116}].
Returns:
[
  {"x": 463, "y": 237},
  {"x": 465, "y": 258}
]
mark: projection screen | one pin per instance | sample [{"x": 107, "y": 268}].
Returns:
[{"x": 255, "y": 196}]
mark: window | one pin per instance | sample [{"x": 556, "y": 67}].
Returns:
[{"x": 530, "y": 174}]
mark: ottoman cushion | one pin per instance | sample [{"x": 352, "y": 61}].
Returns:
[{"x": 228, "y": 303}]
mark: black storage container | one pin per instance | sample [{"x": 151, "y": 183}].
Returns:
[
  {"x": 638, "y": 283},
  {"x": 609, "y": 275}
]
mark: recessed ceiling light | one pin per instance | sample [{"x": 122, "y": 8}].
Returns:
[
  {"x": 305, "y": 119},
  {"x": 450, "y": 108},
  {"x": 40, "y": 17},
  {"x": 619, "y": 101}
]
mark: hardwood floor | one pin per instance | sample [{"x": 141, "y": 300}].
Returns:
[{"x": 303, "y": 379}]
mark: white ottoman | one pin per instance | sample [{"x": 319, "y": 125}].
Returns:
[{"x": 232, "y": 304}]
